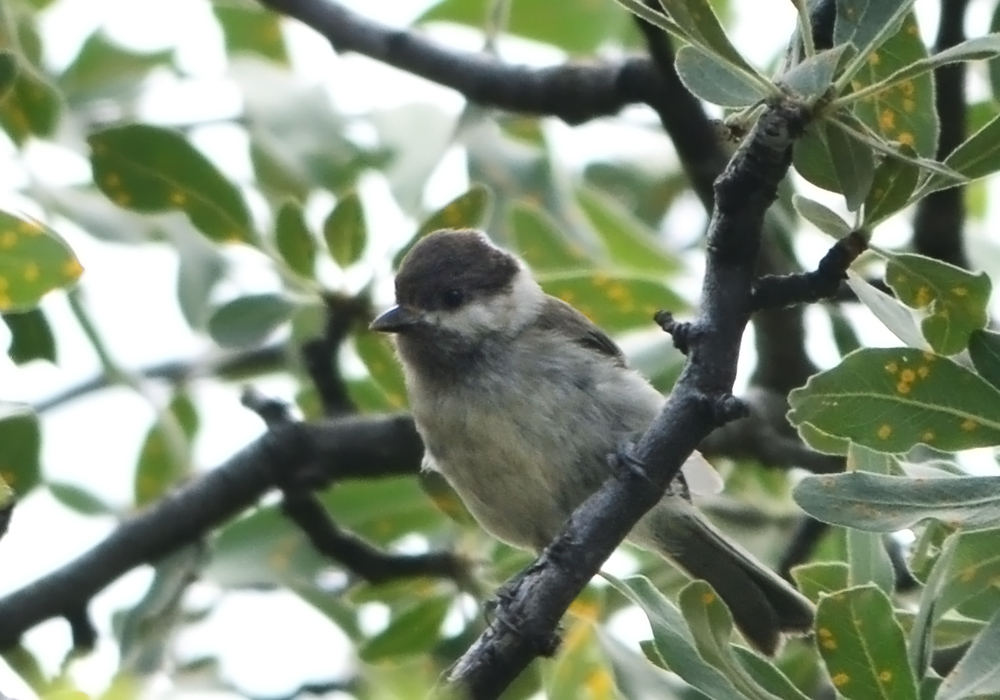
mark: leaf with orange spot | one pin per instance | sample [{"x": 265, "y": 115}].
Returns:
[
  {"x": 952, "y": 300},
  {"x": 863, "y": 646},
  {"x": 468, "y": 210},
  {"x": 34, "y": 260},
  {"x": 539, "y": 241},
  {"x": 867, "y": 399},
  {"x": 615, "y": 302}
]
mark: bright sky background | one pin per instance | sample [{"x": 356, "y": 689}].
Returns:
[{"x": 129, "y": 291}]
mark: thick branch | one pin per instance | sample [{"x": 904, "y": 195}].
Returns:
[
  {"x": 574, "y": 92},
  {"x": 701, "y": 399},
  {"x": 350, "y": 448}
]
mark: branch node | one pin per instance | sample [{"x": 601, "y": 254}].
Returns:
[
  {"x": 725, "y": 408},
  {"x": 626, "y": 465},
  {"x": 775, "y": 291},
  {"x": 681, "y": 331}
]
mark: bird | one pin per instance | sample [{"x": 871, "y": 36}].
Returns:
[{"x": 520, "y": 400}]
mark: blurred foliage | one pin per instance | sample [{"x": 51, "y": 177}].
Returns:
[{"x": 595, "y": 234}]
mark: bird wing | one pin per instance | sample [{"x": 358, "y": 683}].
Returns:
[{"x": 560, "y": 316}]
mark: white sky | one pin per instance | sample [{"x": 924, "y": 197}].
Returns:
[{"x": 130, "y": 292}]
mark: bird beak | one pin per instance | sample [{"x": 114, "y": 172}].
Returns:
[{"x": 396, "y": 319}]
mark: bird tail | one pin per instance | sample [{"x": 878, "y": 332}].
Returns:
[{"x": 763, "y": 604}]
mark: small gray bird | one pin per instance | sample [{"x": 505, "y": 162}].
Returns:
[{"x": 520, "y": 400}]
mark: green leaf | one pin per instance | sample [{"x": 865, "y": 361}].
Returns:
[
  {"x": 294, "y": 242},
  {"x": 380, "y": 360},
  {"x": 887, "y": 309},
  {"x": 615, "y": 302},
  {"x": 768, "y": 676},
  {"x": 164, "y": 458},
  {"x": 577, "y": 29},
  {"x": 812, "y": 160},
  {"x": 151, "y": 169},
  {"x": 714, "y": 80},
  {"x": 673, "y": 640},
  {"x": 31, "y": 337},
  {"x": 866, "y": 554},
  {"x": 984, "y": 349},
  {"x": 711, "y": 627},
  {"x": 812, "y": 77},
  {"x": 383, "y": 510},
  {"x": 854, "y": 165},
  {"x": 34, "y": 260},
  {"x": 31, "y": 107},
  {"x": 345, "y": 230},
  {"x": 248, "y": 29},
  {"x": 976, "y": 157},
  {"x": 697, "y": 19},
  {"x": 20, "y": 447},
  {"x": 890, "y": 399},
  {"x": 468, "y": 210},
  {"x": 904, "y": 113},
  {"x": 78, "y": 499},
  {"x": 821, "y": 217},
  {"x": 630, "y": 243},
  {"x": 977, "y": 673},
  {"x": 201, "y": 266},
  {"x": 868, "y": 24},
  {"x": 881, "y": 503},
  {"x": 978, "y": 48},
  {"x": 819, "y": 578},
  {"x": 972, "y": 570},
  {"x": 103, "y": 69},
  {"x": 954, "y": 300},
  {"x": 539, "y": 241},
  {"x": 249, "y": 320},
  {"x": 8, "y": 73},
  {"x": 893, "y": 183},
  {"x": 863, "y": 646},
  {"x": 415, "y": 631}
]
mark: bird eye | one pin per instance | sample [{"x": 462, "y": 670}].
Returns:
[{"x": 452, "y": 298}]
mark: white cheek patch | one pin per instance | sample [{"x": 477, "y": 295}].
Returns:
[{"x": 509, "y": 311}]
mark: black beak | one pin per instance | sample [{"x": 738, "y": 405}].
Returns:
[{"x": 396, "y": 319}]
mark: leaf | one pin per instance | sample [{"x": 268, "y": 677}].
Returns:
[
  {"x": 468, "y": 210},
  {"x": 20, "y": 447},
  {"x": 248, "y": 29},
  {"x": 78, "y": 499},
  {"x": 977, "y": 673},
  {"x": 818, "y": 578},
  {"x": 345, "y": 230},
  {"x": 812, "y": 77},
  {"x": 866, "y": 554},
  {"x": 711, "y": 627},
  {"x": 630, "y": 243},
  {"x": 31, "y": 337},
  {"x": 539, "y": 241},
  {"x": 821, "y": 217},
  {"x": 105, "y": 70},
  {"x": 249, "y": 320},
  {"x": 893, "y": 183},
  {"x": 984, "y": 349},
  {"x": 976, "y": 157},
  {"x": 881, "y": 503},
  {"x": 294, "y": 241},
  {"x": 977, "y": 48},
  {"x": 699, "y": 22},
  {"x": 887, "y": 309},
  {"x": 32, "y": 106},
  {"x": 972, "y": 571},
  {"x": 380, "y": 360},
  {"x": 890, "y": 399},
  {"x": 673, "y": 640},
  {"x": 615, "y": 302},
  {"x": 8, "y": 73},
  {"x": 711, "y": 78},
  {"x": 954, "y": 300},
  {"x": 34, "y": 260},
  {"x": 201, "y": 266},
  {"x": 415, "y": 631},
  {"x": 150, "y": 169},
  {"x": 383, "y": 510},
  {"x": 867, "y": 23},
  {"x": 854, "y": 165},
  {"x": 577, "y": 30},
  {"x": 904, "y": 113},
  {"x": 812, "y": 159},
  {"x": 863, "y": 646},
  {"x": 164, "y": 458}
]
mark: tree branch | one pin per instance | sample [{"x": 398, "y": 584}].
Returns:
[
  {"x": 348, "y": 448},
  {"x": 700, "y": 401}
]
